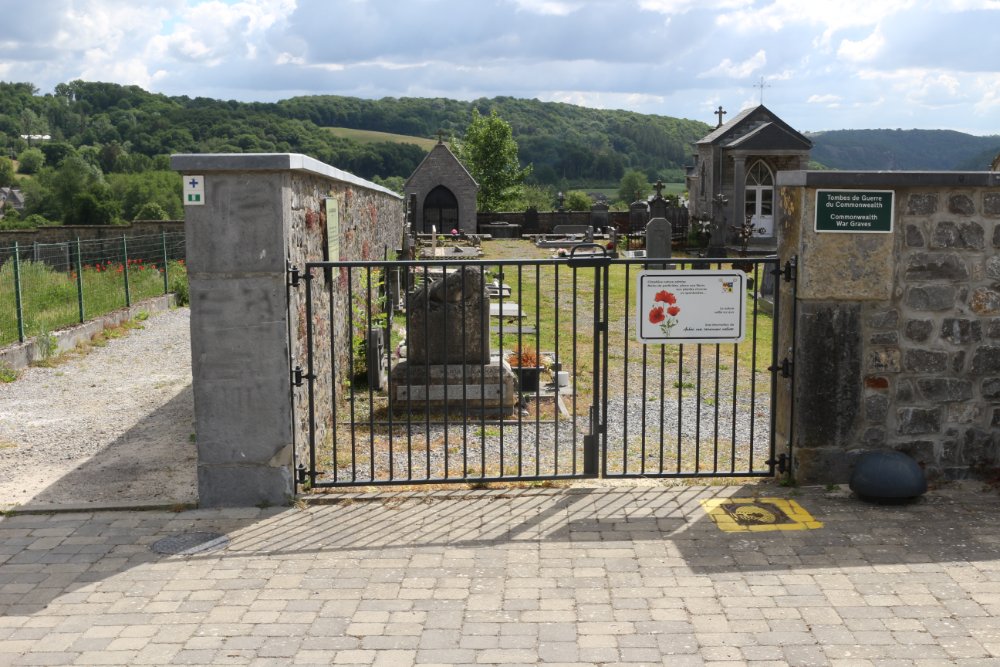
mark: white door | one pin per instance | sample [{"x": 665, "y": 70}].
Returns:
[{"x": 759, "y": 198}]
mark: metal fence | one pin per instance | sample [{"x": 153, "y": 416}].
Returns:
[
  {"x": 598, "y": 402},
  {"x": 47, "y": 286}
]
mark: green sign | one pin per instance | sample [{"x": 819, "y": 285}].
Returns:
[{"x": 864, "y": 211}]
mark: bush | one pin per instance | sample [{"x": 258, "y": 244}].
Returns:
[{"x": 179, "y": 286}]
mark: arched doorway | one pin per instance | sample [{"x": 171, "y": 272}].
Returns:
[
  {"x": 440, "y": 210},
  {"x": 759, "y": 197}
]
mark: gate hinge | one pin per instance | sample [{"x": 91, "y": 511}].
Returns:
[
  {"x": 293, "y": 275},
  {"x": 298, "y": 376},
  {"x": 782, "y": 464},
  {"x": 784, "y": 367},
  {"x": 788, "y": 271}
]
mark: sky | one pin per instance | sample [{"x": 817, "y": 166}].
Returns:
[{"x": 818, "y": 64}]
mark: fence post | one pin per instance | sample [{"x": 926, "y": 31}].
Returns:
[
  {"x": 79, "y": 281},
  {"x": 166, "y": 260},
  {"x": 128, "y": 296},
  {"x": 17, "y": 294}
]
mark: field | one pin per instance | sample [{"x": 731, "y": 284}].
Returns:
[{"x": 371, "y": 137}]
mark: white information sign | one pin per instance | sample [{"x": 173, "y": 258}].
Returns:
[
  {"x": 194, "y": 190},
  {"x": 677, "y": 307}
]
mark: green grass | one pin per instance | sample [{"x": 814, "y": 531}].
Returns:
[
  {"x": 371, "y": 137},
  {"x": 50, "y": 301}
]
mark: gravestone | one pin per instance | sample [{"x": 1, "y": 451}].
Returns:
[
  {"x": 448, "y": 360},
  {"x": 599, "y": 215},
  {"x": 658, "y": 240}
]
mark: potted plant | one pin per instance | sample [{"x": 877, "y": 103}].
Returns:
[{"x": 527, "y": 365}]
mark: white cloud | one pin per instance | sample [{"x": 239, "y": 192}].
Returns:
[
  {"x": 682, "y": 6},
  {"x": 862, "y": 50},
  {"x": 548, "y": 7},
  {"x": 829, "y": 100},
  {"x": 740, "y": 70}
]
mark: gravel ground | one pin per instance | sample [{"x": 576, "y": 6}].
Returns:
[{"x": 112, "y": 426}]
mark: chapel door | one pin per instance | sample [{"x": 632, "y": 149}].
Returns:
[{"x": 440, "y": 210}]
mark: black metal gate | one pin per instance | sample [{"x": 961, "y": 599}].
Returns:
[{"x": 588, "y": 400}]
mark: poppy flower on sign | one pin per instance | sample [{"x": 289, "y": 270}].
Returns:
[{"x": 656, "y": 315}]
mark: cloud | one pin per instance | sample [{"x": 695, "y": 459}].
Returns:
[
  {"x": 740, "y": 70},
  {"x": 552, "y": 7},
  {"x": 828, "y": 100},
  {"x": 862, "y": 50}
]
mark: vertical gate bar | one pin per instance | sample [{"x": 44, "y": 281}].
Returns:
[
  {"x": 735, "y": 386},
  {"x": 517, "y": 389},
  {"x": 605, "y": 334},
  {"x": 697, "y": 414},
  {"x": 79, "y": 282},
  {"x": 465, "y": 381},
  {"x": 427, "y": 388},
  {"x": 555, "y": 300},
  {"x": 538, "y": 347},
  {"x": 447, "y": 349},
  {"x": 715, "y": 432},
  {"x": 625, "y": 343},
  {"x": 484, "y": 340},
  {"x": 663, "y": 404},
  {"x": 350, "y": 371},
  {"x": 791, "y": 355},
  {"x": 575, "y": 366},
  {"x": 311, "y": 386},
  {"x": 368, "y": 353},
  {"x": 166, "y": 261},
  {"x": 410, "y": 278},
  {"x": 591, "y": 455},
  {"x": 520, "y": 347},
  {"x": 680, "y": 406},
  {"x": 753, "y": 376},
  {"x": 642, "y": 429},
  {"x": 128, "y": 293},
  {"x": 335, "y": 382},
  {"x": 18, "y": 303},
  {"x": 390, "y": 308}
]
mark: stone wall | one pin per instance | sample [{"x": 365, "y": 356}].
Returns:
[
  {"x": 64, "y": 233},
  {"x": 897, "y": 341},
  {"x": 263, "y": 212}
]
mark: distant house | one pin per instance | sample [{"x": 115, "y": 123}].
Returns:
[
  {"x": 442, "y": 193},
  {"x": 738, "y": 160},
  {"x": 13, "y": 197}
]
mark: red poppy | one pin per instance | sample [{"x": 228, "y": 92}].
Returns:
[
  {"x": 666, "y": 297},
  {"x": 673, "y": 310},
  {"x": 656, "y": 315}
]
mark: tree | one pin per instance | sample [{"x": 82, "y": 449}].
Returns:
[
  {"x": 6, "y": 172},
  {"x": 633, "y": 186},
  {"x": 151, "y": 211},
  {"x": 489, "y": 152},
  {"x": 31, "y": 161},
  {"x": 577, "y": 200}
]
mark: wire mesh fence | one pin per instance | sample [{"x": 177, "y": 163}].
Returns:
[{"x": 47, "y": 286}]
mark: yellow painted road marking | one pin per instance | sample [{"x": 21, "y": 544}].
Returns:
[{"x": 755, "y": 515}]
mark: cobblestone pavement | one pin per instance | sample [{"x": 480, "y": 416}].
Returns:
[{"x": 638, "y": 575}]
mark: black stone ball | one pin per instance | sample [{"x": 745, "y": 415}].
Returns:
[{"x": 888, "y": 477}]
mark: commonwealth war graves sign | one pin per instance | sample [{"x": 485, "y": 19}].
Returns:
[{"x": 865, "y": 211}]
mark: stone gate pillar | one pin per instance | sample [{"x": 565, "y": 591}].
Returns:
[{"x": 247, "y": 216}]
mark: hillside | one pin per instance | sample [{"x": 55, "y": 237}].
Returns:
[{"x": 921, "y": 150}]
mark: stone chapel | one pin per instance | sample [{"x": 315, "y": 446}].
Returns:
[
  {"x": 442, "y": 194},
  {"x": 733, "y": 174}
]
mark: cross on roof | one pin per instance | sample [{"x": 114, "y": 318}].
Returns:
[
  {"x": 762, "y": 85},
  {"x": 440, "y": 136},
  {"x": 720, "y": 113}
]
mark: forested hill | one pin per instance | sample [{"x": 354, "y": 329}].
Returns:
[
  {"x": 131, "y": 127},
  {"x": 562, "y": 141},
  {"x": 921, "y": 150}
]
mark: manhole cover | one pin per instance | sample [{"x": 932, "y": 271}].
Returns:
[{"x": 186, "y": 544}]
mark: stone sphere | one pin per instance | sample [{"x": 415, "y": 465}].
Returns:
[{"x": 888, "y": 477}]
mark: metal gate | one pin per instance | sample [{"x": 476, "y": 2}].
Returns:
[{"x": 596, "y": 402}]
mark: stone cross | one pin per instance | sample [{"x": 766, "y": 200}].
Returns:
[
  {"x": 720, "y": 113},
  {"x": 659, "y": 189}
]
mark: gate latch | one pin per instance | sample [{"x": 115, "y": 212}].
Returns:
[{"x": 784, "y": 367}]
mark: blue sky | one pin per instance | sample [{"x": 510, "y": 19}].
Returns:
[{"x": 825, "y": 64}]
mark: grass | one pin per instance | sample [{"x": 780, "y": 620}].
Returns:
[
  {"x": 50, "y": 300},
  {"x": 371, "y": 137}
]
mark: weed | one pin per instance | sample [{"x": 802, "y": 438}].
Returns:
[
  {"x": 47, "y": 344},
  {"x": 832, "y": 487},
  {"x": 191, "y": 438},
  {"x": 7, "y": 372},
  {"x": 179, "y": 286},
  {"x": 683, "y": 385},
  {"x": 142, "y": 316},
  {"x": 789, "y": 482}
]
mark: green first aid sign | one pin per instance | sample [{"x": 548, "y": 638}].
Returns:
[{"x": 863, "y": 211}]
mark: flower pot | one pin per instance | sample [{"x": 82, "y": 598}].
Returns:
[{"x": 527, "y": 377}]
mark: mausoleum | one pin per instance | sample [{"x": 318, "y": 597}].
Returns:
[
  {"x": 441, "y": 193},
  {"x": 734, "y": 171}
]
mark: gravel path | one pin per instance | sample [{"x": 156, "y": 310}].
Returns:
[{"x": 111, "y": 426}]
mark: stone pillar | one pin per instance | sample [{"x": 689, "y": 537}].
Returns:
[{"x": 257, "y": 213}]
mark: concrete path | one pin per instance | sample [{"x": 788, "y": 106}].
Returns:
[{"x": 580, "y": 576}]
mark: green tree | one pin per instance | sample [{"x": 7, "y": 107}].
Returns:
[
  {"x": 539, "y": 197},
  {"x": 633, "y": 186},
  {"x": 489, "y": 152},
  {"x": 151, "y": 211},
  {"x": 577, "y": 200},
  {"x": 31, "y": 160},
  {"x": 6, "y": 172}
]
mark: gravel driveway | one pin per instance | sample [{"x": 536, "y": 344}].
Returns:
[{"x": 112, "y": 427}]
